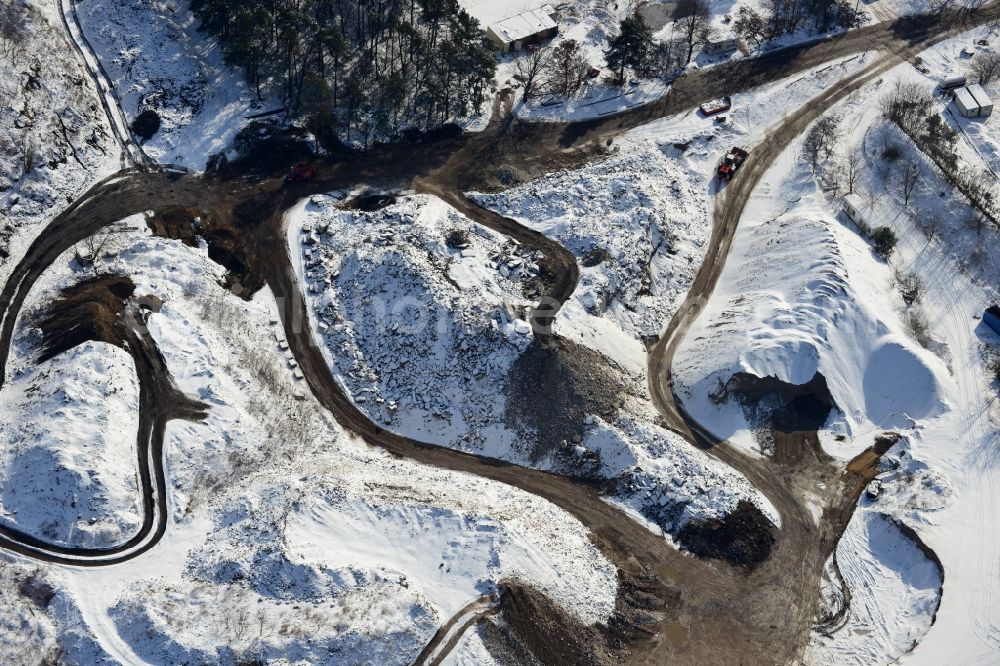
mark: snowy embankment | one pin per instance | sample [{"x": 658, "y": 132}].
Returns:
[
  {"x": 950, "y": 494},
  {"x": 67, "y": 447},
  {"x": 158, "y": 61},
  {"x": 835, "y": 308},
  {"x": 54, "y": 139},
  {"x": 272, "y": 546}
]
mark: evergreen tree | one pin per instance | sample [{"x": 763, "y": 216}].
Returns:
[{"x": 632, "y": 46}]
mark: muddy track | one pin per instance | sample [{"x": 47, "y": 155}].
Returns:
[
  {"x": 451, "y": 632},
  {"x": 725, "y": 615}
]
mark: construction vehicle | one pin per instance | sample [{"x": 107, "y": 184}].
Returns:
[
  {"x": 716, "y": 106},
  {"x": 731, "y": 162},
  {"x": 300, "y": 173}
]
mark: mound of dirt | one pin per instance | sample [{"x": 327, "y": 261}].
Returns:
[
  {"x": 743, "y": 539},
  {"x": 86, "y": 311},
  {"x": 785, "y": 407},
  {"x": 530, "y": 629},
  {"x": 552, "y": 388}
]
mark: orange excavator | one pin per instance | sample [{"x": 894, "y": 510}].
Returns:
[{"x": 731, "y": 162}]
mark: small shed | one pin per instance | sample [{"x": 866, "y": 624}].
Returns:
[
  {"x": 982, "y": 99},
  {"x": 992, "y": 318},
  {"x": 724, "y": 41},
  {"x": 518, "y": 32},
  {"x": 859, "y": 212},
  {"x": 973, "y": 102}
]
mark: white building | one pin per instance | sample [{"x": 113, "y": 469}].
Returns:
[
  {"x": 973, "y": 102},
  {"x": 518, "y": 32},
  {"x": 860, "y": 212},
  {"x": 722, "y": 41}
]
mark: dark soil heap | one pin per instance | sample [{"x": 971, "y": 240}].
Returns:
[
  {"x": 87, "y": 311},
  {"x": 744, "y": 538}
]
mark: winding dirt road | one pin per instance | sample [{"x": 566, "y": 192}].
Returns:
[{"x": 703, "y": 611}]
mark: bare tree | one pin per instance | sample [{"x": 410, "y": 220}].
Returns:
[
  {"x": 909, "y": 177},
  {"x": 13, "y": 30},
  {"x": 566, "y": 68},
  {"x": 986, "y": 66},
  {"x": 820, "y": 141},
  {"x": 750, "y": 25},
  {"x": 668, "y": 58},
  {"x": 692, "y": 18},
  {"x": 907, "y": 105},
  {"x": 528, "y": 69},
  {"x": 852, "y": 165}
]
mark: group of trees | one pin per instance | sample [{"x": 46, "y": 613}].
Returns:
[
  {"x": 556, "y": 71},
  {"x": 911, "y": 107},
  {"x": 779, "y": 17},
  {"x": 358, "y": 66}
]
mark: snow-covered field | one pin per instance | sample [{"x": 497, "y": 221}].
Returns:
[{"x": 158, "y": 61}]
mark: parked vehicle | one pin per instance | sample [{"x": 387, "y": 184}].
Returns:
[
  {"x": 731, "y": 162},
  {"x": 300, "y": 173},
  {"x": 716, "y": 106},
  {"x": 951, "y": 83}
]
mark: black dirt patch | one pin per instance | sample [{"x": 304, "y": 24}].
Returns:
[
  {"x": 551, "y": 390},
  {"x": 532, "y": 630},
  {"x": 785, "y": 407},
  {"x": 743, "y": 539},
  {"x": 176, "y": 223},
  {"x": 595, "y": 257},
  {"x": 87, "y": 311},
  {"x": 146, "y": 124},
  {"x": 370, "y": 202},
  {"x": 263, "y": 149}
]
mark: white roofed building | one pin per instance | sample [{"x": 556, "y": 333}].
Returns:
[
  {"x": 518, "y": 32},
  {"x": 973, "y": 102}
]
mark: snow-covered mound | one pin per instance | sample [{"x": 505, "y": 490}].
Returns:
[
  {"x": 158, "y": 61},
  {"x": 421, "y": 334},
  {"x": 638, "y": 221},
  {"x": 27, "y": 633},
  {"x": 797, "y": 316},
  {"x": 358, "y": 623},
  {"x": 68, "y": 447},
  {"x": 895, "y": 590}
]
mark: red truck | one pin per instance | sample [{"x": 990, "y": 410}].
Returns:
[
  {"x": 731, "y": 162},
  {"x": 300, "y": 173}
]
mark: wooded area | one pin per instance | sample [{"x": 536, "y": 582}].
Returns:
[{"x": 358, "y": 68}]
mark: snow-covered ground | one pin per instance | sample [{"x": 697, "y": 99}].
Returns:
[
  {"x": 158, "y": 61},
  {"x": 823, "y": 301},
  {"x": 273, "y": 547},
  {"x": 54, "y": 138},
  {"x": 431, "y": 341}
]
